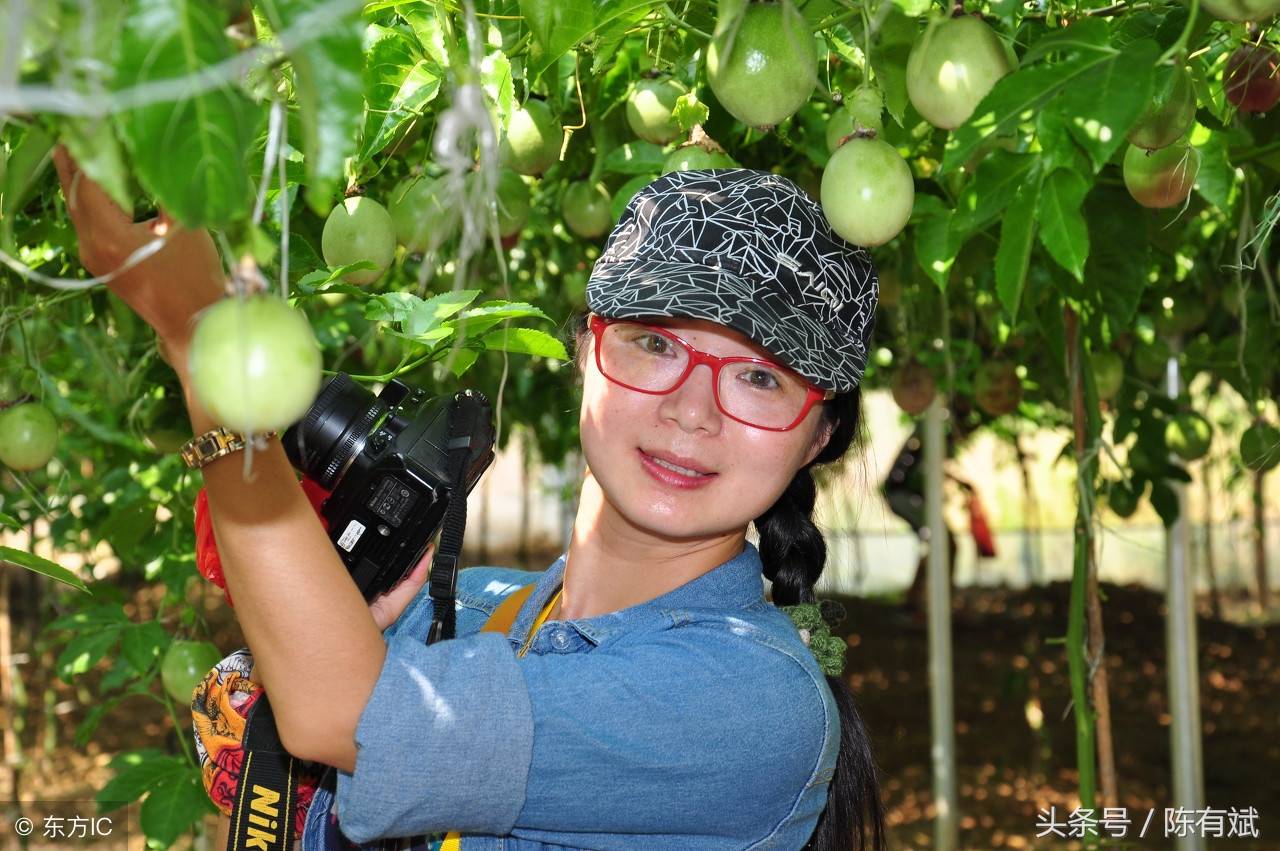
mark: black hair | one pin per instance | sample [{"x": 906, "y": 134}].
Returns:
[{"x": 794, "y": 554}]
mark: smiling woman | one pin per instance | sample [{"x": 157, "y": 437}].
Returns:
[{"x": 642, "y": 692}]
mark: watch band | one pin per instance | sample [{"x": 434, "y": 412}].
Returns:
[{"x": 212, "y": 445}]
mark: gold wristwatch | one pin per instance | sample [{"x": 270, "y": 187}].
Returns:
[{"x": 212, "y": 445}]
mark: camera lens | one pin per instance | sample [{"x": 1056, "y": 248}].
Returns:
[{"x": 324, "y": 442}]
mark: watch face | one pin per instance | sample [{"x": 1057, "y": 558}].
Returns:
[{"x": 207, "y": 446}]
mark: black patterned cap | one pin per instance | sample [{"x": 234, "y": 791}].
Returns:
[{"x": 750, "y": 250}]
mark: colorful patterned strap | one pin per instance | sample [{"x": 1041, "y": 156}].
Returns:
[{"x": 222, "y": 702}]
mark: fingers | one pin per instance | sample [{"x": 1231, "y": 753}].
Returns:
[{"x": 87, "y": 202}]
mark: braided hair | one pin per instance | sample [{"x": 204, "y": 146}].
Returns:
[{"x": 794, "y": 554}]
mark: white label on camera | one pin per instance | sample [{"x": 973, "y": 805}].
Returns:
[{"x": 352, "y": 534}]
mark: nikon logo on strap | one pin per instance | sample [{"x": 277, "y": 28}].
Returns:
[{"x": 266, "y": 794}]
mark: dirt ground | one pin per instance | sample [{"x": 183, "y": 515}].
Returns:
[{"x": 1003, "y": 657}]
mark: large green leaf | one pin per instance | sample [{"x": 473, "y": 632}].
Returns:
[
  {"x": 398, "y": 84},
  {"x": 1017, "y": 233},
  {"x": 84, "y": 651},
  {"x": 935, "y": 242},
  {"x": 191, "y": 150},
  {"x": 138, "y": 772},
  {"x": 174, "y": 805},
  {"x": 1118, "y": 254},
  {"x": 992, "y": 188},
  {"x": 1103, "y": 103},
  {"x": 557, "y": 26},
  {"x": 328, "y": 80},
  {"x": 1062, "y": 227},
  {"x": 42, "y": 566},
  {"x": 527, "y": 341}
]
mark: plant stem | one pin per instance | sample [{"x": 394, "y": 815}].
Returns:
[{"x": 1179, "y": 48}]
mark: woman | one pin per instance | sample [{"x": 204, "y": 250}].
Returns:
[{"x": 647, "y": 696}]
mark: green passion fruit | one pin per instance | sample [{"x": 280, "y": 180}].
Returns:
[
  {"x": 867, "y": 191},
  {"x": 952, "y": 67},
  {"x": 513, "y": 202},
  {"x": 1122, "y": 499},
  {"x": 531, "y": 144},
  {"x": 649, "y": 109},
  {"x": 254, "y": 363},
  {"x": 694, "y": 157},
  {"x": 420, "y": 215},
  {"x": 1169, "y": 115},
  {"x": 359, "y": 229},
  {"x": 587, "y": 209},
  {"x": 28, "y": 436},
  {"x": 184, "y": 665},
  {"x": 763, "y": 67},
  {"x": 1188, "y": 436},
  {"x": 1152, "y": 359},
  {"x": 1108, "y": 373},
  {"x": 1162, "y": 178},
  {"x": 1241, "y": 10},
  {"x": 1260, "y": 446}
]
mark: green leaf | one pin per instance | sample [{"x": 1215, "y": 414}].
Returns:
[
  {"x": 191, "y": 153},
  {"x": 138, "y": 772},
  {"x": 141, "y": 645},
  {"x": 1217, "y": 177},
  {"x": 557, "y": 26},
  {"x": 1017, "y": 230},
  {"x": 1104, "y": 102},
  {"x": 635, "y": 158},
  {"x": 528, "y": 341},
  {"x": 9, "y": 521},
  {"x": 398, "y": 87},
  {"x": 498, "y": 83},
  {"x": 105, "y": 615},
  {"x": 128, "y": 525},
  {"x": 890, "y": 66},
  {"x": 93, "y": 144},
  {"x": 1118, "y": 254},
  {"x": 1085, "y": 35},
  {"x": 328, "y": 79},
  {"x": 462, "y": 360},
  {"x": 689, "y": 111},
  {"x": 83, "y": 652},
  {"x": 27, "y": 161},
  {"x": 174, "y": 806},
  {"x": 936, "y": 245},
  {"x": 42, "y": 566},
  {"x": 1062, "y": 227},
  {"x": 428, "y": 315},
  {"x": 993, "y": 187},
  {"x": 1016, "y": 98}
]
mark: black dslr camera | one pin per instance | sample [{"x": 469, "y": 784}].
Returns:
[{"x": 385, "y": 461}]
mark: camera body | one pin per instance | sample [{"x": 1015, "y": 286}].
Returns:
[{"x": 385, "y": 461}]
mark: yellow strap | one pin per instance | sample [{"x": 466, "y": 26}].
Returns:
[{"x": 502, "y": 619}]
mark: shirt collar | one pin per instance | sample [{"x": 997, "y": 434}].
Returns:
[{"x": 735, "y": 584}]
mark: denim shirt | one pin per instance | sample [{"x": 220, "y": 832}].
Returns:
[{"x": 696, "y": 721}]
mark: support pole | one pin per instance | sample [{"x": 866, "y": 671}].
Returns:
[
  {"x": 946, "y": 828},
  {"x": 1180, "y": 651}
]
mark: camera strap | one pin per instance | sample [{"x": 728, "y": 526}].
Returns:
[
  {"x": 267, "y": 792},
  {"x": 443, "y": 582}
]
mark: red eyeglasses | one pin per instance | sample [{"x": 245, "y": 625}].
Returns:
[{"x": 752, "y": 391}]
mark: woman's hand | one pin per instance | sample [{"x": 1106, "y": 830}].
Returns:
[
  {"x": 168, "y": 288},
  {"x": 390, "y": 604}
]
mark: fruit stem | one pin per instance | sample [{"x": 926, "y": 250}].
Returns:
[
  {"x": 1179, "y": 48},
  {"x": 680, "y": 22},
  {"x": 957, "y": 8}
]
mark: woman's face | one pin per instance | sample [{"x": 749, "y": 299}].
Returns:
[{"x": 627, "y": 436}]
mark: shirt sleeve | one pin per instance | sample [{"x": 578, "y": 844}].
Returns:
[{"x": 695, "y": 731}]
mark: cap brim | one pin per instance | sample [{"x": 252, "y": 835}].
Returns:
[{"x": 642, "y": 288}]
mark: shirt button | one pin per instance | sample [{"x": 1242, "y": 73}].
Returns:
[{"x": 560, "y": 639}]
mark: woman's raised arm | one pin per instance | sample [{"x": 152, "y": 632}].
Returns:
[{"x": 317, "y": 647}]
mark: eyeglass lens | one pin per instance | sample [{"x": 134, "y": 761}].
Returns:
[{"x": 646, "y": 359}]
